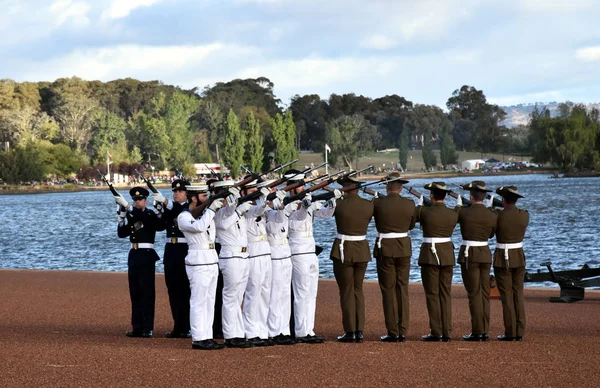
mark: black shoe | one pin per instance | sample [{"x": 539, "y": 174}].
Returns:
[
  {"x": 389, "y": 338},
  {"x": 401, "y": 338},
  {"x": 446, "y": 339},
  {"x": 505, "y": 337},
  {"x": 485, "y": 337},
  {"x": 359, "y": 336},
  {"x": 256, "y": 341},
  {"x": 208, "y": 344},
  {"x": 348, "y": 336},
  {"x": 237, "y": 343},
  {"x": 147, "y": 334},
  {"x": 315, "y": 339},
  {"x": 134, "y": 333},
  {"x": 519, "y": 338},
  {"x": 431, "y": 338},
  {"x": 473, "y": 337},
  {"x": 176, "y": 334},
  {"x": 281, "y": 339}
]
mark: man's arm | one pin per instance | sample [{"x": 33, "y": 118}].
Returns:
[{"x": 187, "y": 223}]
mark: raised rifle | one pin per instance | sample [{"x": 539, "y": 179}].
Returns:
[
  {"x": 411, "y": 190},
  {"x": 110, "y": 186},
  {"x": 467, "y": 202},
  {"x": 180, "y": 174},
  {"x": 302, "y": 194},
  {"x": 148, "y": 183},
  {"x": 219, "y": 177},
  {"x": 357, "y": 186},
  {"x": 365, "y": 190}
]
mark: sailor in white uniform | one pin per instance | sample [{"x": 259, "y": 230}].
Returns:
[
  {"x": 258, "y": 288},
  {"x": 280, "y": 304},
  {"x": 305, "y": 272},
  {"x": 233, "y": 262},
  {"x": 201, "y": 265}
]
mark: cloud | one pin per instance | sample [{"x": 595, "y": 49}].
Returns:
[
  {"x": 556, "y": 5},
  {"x": 377, "y": 42},
  {"x": 76, "y": 12},
  {"x": 118, "y": 9},
  {"x": 588, "y": 54}
]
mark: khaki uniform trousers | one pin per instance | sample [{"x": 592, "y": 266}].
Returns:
[
  {"x": 510, "y": 284},
  {"x": 437, "y": 283},
  {"x": 393, "y": 281},
  {"x": 476, "y": 278},
  {"x": 350, "y": 277}
]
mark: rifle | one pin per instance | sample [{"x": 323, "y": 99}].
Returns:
[
  {"x": 316, "y": 187},
  {"x": 180, "y": 173},
  {"x": 358, "y": 186},
  {"x": 365, "y": 190},
  {"x": 411, "y": 190},
  {"x": 495, "y": 202},
  {"x": 150, "y": 185},
  {"x": 219, "y": 177},
  {"x": 198, "y": 210},
  {"x": 110, "y": 186}
]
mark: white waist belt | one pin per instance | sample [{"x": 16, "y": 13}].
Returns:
[
  {"x": 343, "y": 238},
  {"x": 253, "y": 239},
  {"x": 201, "y": 247},
  {"x": 470, "y": 243},
  {"x": 506, "y": 247},
  {"x": 389, "y": 235},
  {"x": 275, "y": 241},
  {"x": 295, "y": 235},
  {"x": 142, "y": 246},
  {"x": 433, "y": 241},
  {"x": 175, "y": 240}
]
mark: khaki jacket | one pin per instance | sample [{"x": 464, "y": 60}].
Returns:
[
  {"x": 394, "y": 214},
  {"x": 477, "y": 223},
  {"x": 437, "y": 221},
  {"x": 352, "y": 217},
  {"x": 510, "y": 228}
]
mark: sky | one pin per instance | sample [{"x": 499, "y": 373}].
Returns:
[{"x": 516, "y": 51}]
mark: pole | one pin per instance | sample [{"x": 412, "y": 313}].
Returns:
[
  {"x": 326, "y": 164},
  {"x": 108, "y": 165}
]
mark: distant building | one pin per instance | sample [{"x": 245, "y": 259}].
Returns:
[
  {"x": 204, "y": 169},
  {"x": 473, "y": 164}
]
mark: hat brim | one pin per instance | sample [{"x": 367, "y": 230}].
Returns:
[
  {"x": 476, "y": 188},
  {"x": 397, "y": 180},
  {"x": 348, "y": 181},
  {"x": 138, "y": 197},
  {"x": 432, "y": 188}
]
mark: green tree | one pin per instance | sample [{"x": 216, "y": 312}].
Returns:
[
  {"x": 429, "y": 157},
  {"x": 343, "y": 136},
  {"x": 403, "y": 149},
  {"x": 290, "y": 135},
  {"x": 108, "y": 137},
  {"x": 21, "y": 164},
  {"x": 234, "y": 145},
  {"x": 254, "y": 151},
  {"x": 448, "y": 154},
  {"x": 179, "y": 110}
]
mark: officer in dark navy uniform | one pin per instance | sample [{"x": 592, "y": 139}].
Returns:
[
  {"x": 140, "y": 225},
  {"x": 176, "y": 249}
]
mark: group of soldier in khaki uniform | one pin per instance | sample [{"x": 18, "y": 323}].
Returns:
[{"x": 394, "y": 217}]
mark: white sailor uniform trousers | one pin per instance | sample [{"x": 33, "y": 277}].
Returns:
[
  {"x": 233, "y": 262},
  {"x": 201, "y": 265},
  {"x": 258, "y": 288},
  {"x": 305, "y": 267},
  {"x": 280, "y": 303}
]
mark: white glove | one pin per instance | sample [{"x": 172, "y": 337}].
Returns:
[
  {"x": 337, "y": 194},
  {"x": 420, "y": 201},
  {"x": 376, "y": 194},
  {"x": 459, "y": 201},
  {"x": 243, "y": 208},
  {"x": 121, "y": 214},
  {"x": 280, "y": 194},
  {"x": 216, "y": 204},
  {"x": 488, "y": 202},
  {"x": 159, "y": 206},
  {"x": 315, "y": 206},
  {"x": 158, "y": 198},
  {"x": 119, "y": 200},
  {"x": 290, "y": 208},
  {"x": 265, "y": 191},
  {"x": 234, "y": 194},
  {"x": 276, "y": 204}
]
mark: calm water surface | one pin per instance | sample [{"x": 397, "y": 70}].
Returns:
[{"x": 77, "y": 231}]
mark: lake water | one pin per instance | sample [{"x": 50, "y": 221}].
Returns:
[{"x": 77, "y": 231}]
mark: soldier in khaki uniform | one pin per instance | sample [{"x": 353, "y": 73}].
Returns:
[
  {"x": 350, "y": 254},
  {"x": 509, "y": 263},
  {"x": 436, "y": 259},
  {"x": 477, "y": 225},
  {"x": 394, "y": 217}
]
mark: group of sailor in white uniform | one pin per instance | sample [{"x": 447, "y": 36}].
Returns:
[{"x": 265, "y": 246}]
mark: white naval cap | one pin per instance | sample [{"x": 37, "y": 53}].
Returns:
[
  {"x": 250, "y": 184},
  {"x": 220, "y": 184},
  {"x": 265, "y": 183},
  {"x": 198, "y": 188},
  {"x": 294, "y": 177}
]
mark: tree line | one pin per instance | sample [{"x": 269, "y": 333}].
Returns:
[{"x": 70, "y": 126}]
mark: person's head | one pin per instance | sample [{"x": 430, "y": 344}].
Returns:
[
  {"x": 219, "y": 186},
  {"x": 477, "y": 191},
  {"x": 250, "y": 187},
  {"x": 438, "y": 191},
  {"x": 139, "y": 196},
  {"x": 348, "y": 182},
  {"x": 294, "y": 176},
  {"x": 179, "y": 190},
  {"x": 196, "y": 194},
  {"x": 394, "y": 183},
  {"x": 509, "y": 194}
]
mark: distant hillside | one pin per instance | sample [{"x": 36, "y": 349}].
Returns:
[{"x": 519, "y": 114}]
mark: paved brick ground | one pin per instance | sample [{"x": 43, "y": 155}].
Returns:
[{"x": 61, "y": 328}]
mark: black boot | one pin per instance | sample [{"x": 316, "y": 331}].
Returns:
[{"x": 348, "y": 336}]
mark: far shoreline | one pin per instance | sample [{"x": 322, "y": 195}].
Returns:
[{"x": 71, "y": 188}]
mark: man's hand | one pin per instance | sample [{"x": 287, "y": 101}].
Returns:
[
  {"x": 337, "y": 194},
  {"x": 119, "y": 200},
  {"x": 315, "y": 206},
  {"x": 420, "y": 201},
  {"x": 307, "y": 201},
  {"x": 243, "y": 208},
  {"x": 121, "y": 214},
  {"x": 234, "y": 194},
  {"x": 216, "y": 204},
  {"x": 459, "y": 201},
  {"x": 488, "y": 201},
  {"x": 290, "y": 208},
  {"x": 158, "y": 198},
  {"x": 264, "y": 192}
]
